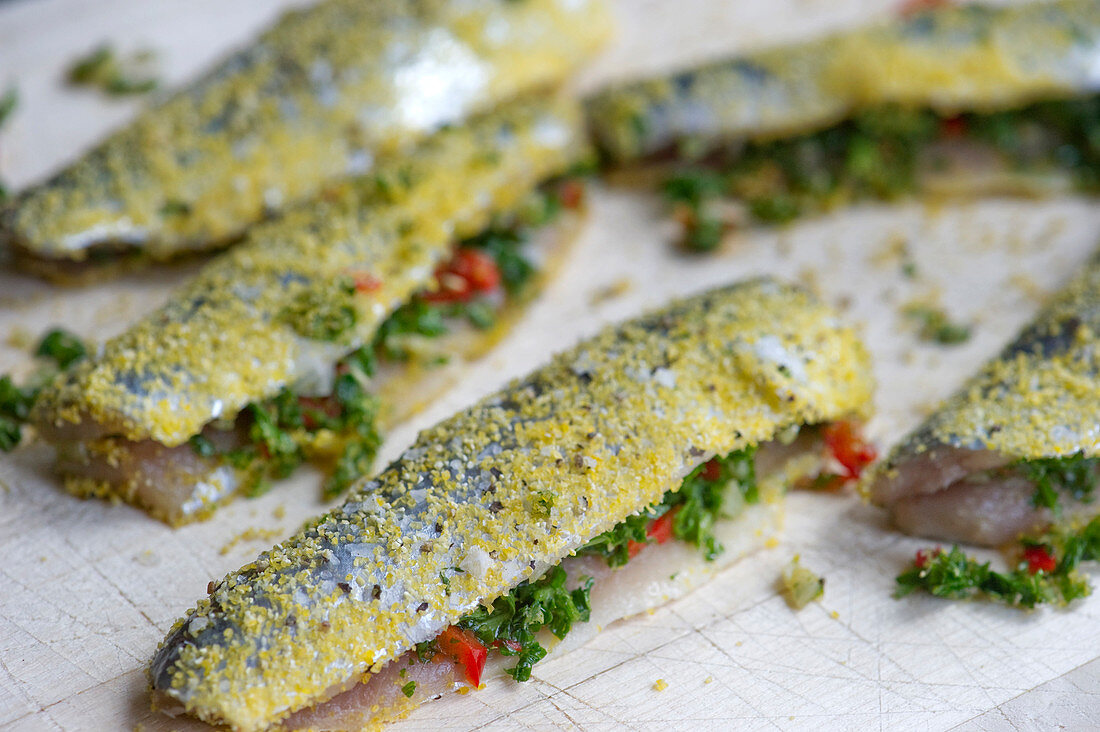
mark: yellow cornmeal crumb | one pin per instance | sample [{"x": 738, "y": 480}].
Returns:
[
  {"x": 1027, "y": 404},
  {"x": 253, "y": 137},
  {"x": 708, "y": 680},
  {"x": 771, "y": 542},
  {"x": 834, "y": 615},
  {"x": 19, "y": 337},
  {"x": 608, "y": 427},
  {"x": 1011, "y": 56},
  {"x": 279, "y": 512},
  {"x": 616, "y": 289},
  {"x": 660, "y": 685},
  {"x": 251, "y": 534}
]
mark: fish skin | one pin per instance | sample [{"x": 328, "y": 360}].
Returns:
[
  {"x": 1037, "y": 399},
  {"x": 324, "y": 94},
  {"x": 950, "y": 59},
  {"x": 222, "y": 341},
  {"x": 605, "y": 430}
]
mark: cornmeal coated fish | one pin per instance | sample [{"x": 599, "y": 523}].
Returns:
[
  {"x": 969, "y": 473},
  {"x": 322, "y": 95},
  {"x": 606, "y": 429},
  {"x": 282, "y": 308},
  {"x": 949, "y": 59}
]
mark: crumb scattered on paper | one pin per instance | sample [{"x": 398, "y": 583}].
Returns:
[
  {"x": 252, "y": 534},
  {"x": 616, "y": 289}
]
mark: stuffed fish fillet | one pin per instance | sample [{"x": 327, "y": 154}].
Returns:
[
  {"x": 951, "y": 59},
  {"x": 285, "y": 306},
  {"x": 958, "y": 100},
  {"x": 322, "y": 95},
  {"x": 484, "y": 507},
  {"x": 1015, "y": 450}
]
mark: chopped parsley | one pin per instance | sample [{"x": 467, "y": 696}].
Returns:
[
  {"x": 934, "y": 325},
  {"x": 63, "y": 349},
  {"x": 1047, "y": 572},
  {"x": 694, "y": 509},
  {"x": 876, "y": 154},
  {"x": 283, "y": 432},
  {"x": 692, "y": 192},
  {"x": 8, "y": 103},
  {"x": 104, "y": 70},
  {"x": 408, "y": 689},
  {"x": 1075, "y": 475},
  {"x": 512, "y": 623}
]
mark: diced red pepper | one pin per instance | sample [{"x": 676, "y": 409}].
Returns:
[
  {"x": 365, "y": 282},
  {"x": 953, "y": 127},
  {"x": 823, "y": 483},
  {"x": 849, "y": 448},
  {"x": 658, "y": 532},
  {"x": 512, "y": 645},
  {"x": 467, "y": 651},
  {"x": 1039, "y": 559},
  {"x": 660, "y": 529},
  {"x": 712, "y": 470},
  {"x": 325, "y": 405},
  {"x": 470, "y": 272},
  {"x": 912, "y": 7},
  {"x": 571, "y": 194},
  {"x": 924, "y": 557}
]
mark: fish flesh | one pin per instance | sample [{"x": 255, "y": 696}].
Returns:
[
  {"x": 973, "y": 470},
  {"x": 951, "y": 59},
  {"x": 327, "y": 93},
  {"x": 281, "y": 309},
  {"x": 502, "y": 492}
]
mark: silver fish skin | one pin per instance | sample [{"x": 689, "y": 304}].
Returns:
[
  {"x": 949, "y": 59},
  {"x": 506, "y": 489},
  {"x": 957, "y": 478},
  {"x": 324, "y": 94}
]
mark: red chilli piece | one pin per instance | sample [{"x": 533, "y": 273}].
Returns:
[
  {"x": 712, "y": 470},
  {"x": 1039, "y": 559},
  {"x": 466, "y": 650},
  {"x": 365, "y": 282},
  {"x": 913, "y": 7},
  {"x": 327, "y": 406},
  {"x": 470, "y": 272},
  {"x": 571, "y": 194},
  {"x": 849, "y": 448},
  {"x": 924, "y": 557},
  {"x": 953, "y": 127}
]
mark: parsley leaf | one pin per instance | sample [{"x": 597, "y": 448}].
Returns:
[
  {"x": 514, "y": 620},
  {"x": 1072, "y": 474},
  {"x": 61, "y": 346},
  {"x": 954, "y": 575}
]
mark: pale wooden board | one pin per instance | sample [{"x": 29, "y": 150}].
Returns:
[{"x": 90, "y": 589}]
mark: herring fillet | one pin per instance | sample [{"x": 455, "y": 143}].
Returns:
[
  {"x": 606, "y": 429},
  {"x": 221, "y": 341},
  {"x": 950, "y": 59},
  {"x": 321, "y": 95},
  {"x": 1039, "y": 398}
]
